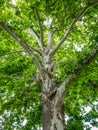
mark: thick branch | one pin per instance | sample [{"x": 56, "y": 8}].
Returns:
[
  {"x": 23, "y": 44},
  {"x": 84, "y": 10},
  {"x": 50, "y": 32},
  {"x": 50, "y": 40},
  {"x": 40, "y": 27},
  {"x": 64, "y": 87}
]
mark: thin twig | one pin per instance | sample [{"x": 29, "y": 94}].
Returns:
[{"x": 11, "y": 52}]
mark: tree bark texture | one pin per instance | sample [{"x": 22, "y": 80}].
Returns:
[
  {"x": 53, "y": 117},
  {"x": 52, "y": 114}
]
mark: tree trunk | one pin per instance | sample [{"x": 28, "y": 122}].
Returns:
[{"x": 52, "y": 116}]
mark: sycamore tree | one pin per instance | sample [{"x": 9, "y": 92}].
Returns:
[{"x": 48, "y": 62}]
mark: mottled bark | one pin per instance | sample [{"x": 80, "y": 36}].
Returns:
[{"x": 52, "y": 116}]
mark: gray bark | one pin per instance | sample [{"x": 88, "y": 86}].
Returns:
[{"x": 53, "y": 117}]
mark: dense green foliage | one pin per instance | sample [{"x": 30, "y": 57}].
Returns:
[{"x": 20, "y": 95}]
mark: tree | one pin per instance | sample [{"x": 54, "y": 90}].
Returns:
[{"x": 40, "y": 29}]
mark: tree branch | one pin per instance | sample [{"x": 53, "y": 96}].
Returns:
[
  {"x": 23, "y": 44},
  {"x": 36, "y": 37},
  {"x": 34, "y": 34},
  {"x": 34, "y": 49},
  {"x": 17, "y": 38},
  {"x": 50, "y": 40},
  {"x": 40, "y": 27},
  {"x": 50, "y": 32},
  {"x": 93, "y": 85},
  {"x": 64, "y": 87},
  {"x": 11, "y": 52},
  {"x": 83, "y": 11},
  {"x": 15, "y": 51}
]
